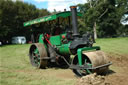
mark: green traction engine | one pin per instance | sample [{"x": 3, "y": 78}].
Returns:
[{"x": 67, "y": 48}]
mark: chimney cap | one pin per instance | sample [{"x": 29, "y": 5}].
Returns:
[{"x": 73, "y": 6}]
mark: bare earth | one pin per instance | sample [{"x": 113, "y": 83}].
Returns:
[
  {"x": 120, "y": 71},
  {"x": 117, "y": 75}
]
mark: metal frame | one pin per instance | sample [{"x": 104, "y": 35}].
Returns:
[{"x": 80, "y": 50}]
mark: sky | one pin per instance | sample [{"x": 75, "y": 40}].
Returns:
[
  {"x": 50, "y": 5},
  {"x": 124, "y": 22}
]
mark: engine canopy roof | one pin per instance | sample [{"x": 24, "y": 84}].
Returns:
[{"x": 49, "y": 18}]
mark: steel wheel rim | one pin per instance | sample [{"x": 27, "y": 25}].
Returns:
[{"x": 36, "y": 53}]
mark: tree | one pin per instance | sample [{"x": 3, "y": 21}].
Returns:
[
  {"x": 93, "y": 11},
  {"x": 104, "y": 16},
  {"x": 14, "y": 14}
]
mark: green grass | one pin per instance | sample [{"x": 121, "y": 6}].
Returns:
[
  {"x": 114, "y": 45},
  {"x": 15, "y": 68}
]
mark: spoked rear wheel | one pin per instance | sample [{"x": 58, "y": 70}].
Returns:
[
  {"x": 82, "y": 72},
  {"x": 36, "y": 53}
]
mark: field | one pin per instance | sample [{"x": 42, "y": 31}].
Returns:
[{"x": 15, "y": 68}]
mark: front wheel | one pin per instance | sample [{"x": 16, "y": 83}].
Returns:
[{"x": 82, "y": 72}]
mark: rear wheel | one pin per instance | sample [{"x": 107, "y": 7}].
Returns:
[
  {"x": 82, "y": 72},
  {"x": 36, "y": 53}
]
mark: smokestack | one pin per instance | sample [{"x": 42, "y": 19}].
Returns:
[
  {"x": 64, "y": 10},
  {"x": 74, "y": 20}
]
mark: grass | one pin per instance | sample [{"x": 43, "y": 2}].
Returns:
[
  {"x": 15, "y": 68},
  {"x": 114, "y": 45}
]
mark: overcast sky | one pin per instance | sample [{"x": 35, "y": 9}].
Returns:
[{"x": 59, "y": 5}]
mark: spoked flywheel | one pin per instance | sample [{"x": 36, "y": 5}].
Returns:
[
  {"x": 82, "y": 72},
  {"x": 36, "y": 53}
]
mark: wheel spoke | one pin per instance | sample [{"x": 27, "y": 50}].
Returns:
[
  {"x": 36, "y": 57},
  {"x": 88, "y": 71},
  {"x": 83, "y": 72},
  {"x": 38, "y": 63}
]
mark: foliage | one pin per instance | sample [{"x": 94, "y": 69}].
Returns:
[
  {"x": 12, "y": 16},
  {"x": 107, "y": 14}
]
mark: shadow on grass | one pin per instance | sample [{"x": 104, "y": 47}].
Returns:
[{"x": 55, "y": 66}]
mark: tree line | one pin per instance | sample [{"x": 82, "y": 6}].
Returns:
[
  {"x": 13, "y": 15},
  {"x": 102, "y": 17}
]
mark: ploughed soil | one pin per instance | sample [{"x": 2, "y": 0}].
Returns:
[{"x": 117, "y": 74}]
